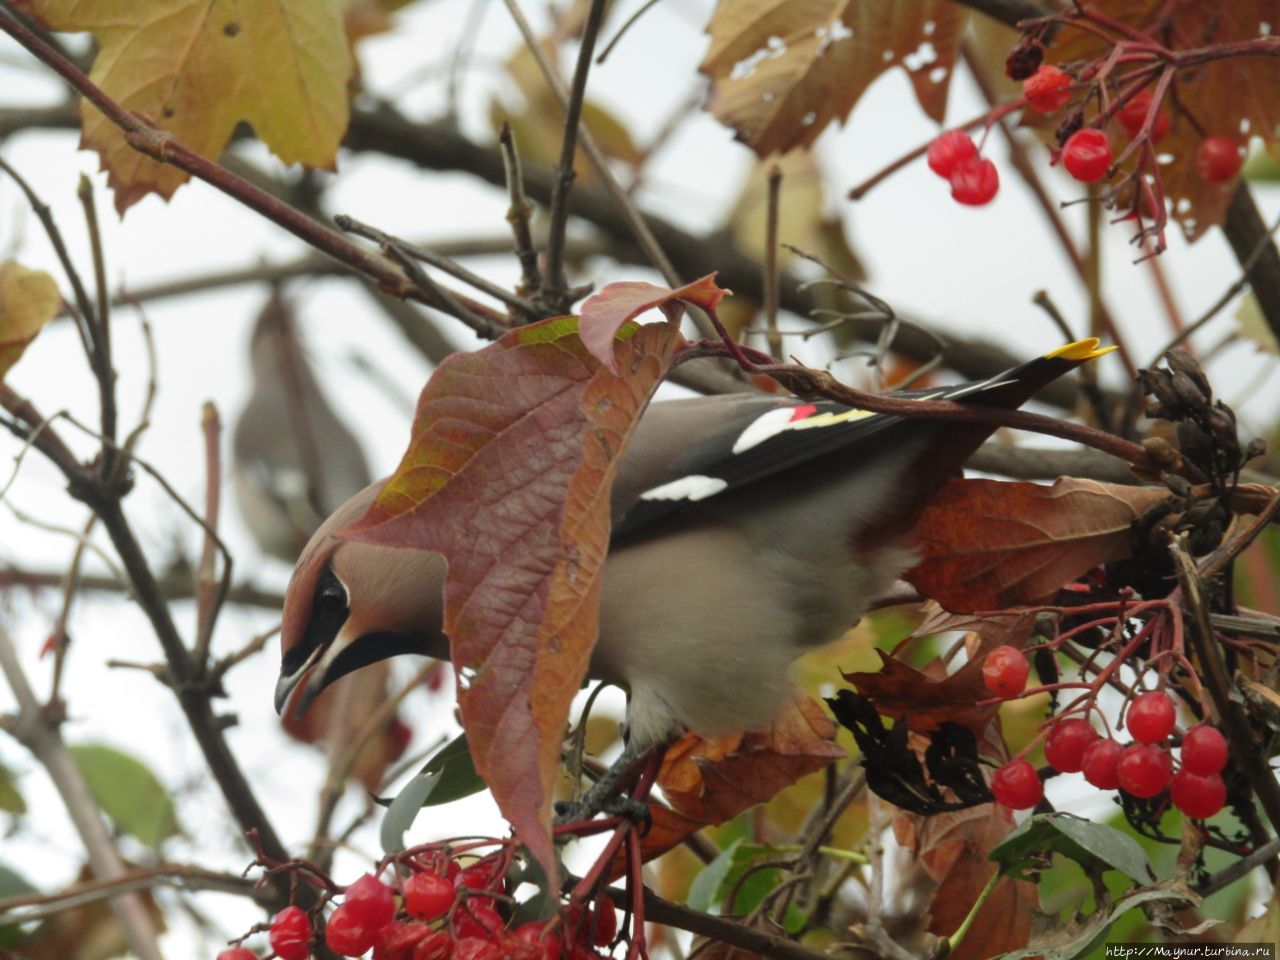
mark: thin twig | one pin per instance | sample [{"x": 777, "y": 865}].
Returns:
[
  {"x": 1018, "y": 155},
  {"x": 440, "y": 262},
  {"x": 1214, "y": 671},
  {"x": 519, "y": 211},
  {"x": 210, "y": 591},
  {"x": 70, "y": 587},
  {"x": 636, "y": 224},
  {"x": 771, "y": 260},
  {"x": 164, "y": 148},
  {"x": 341, "y": 762},
  {"x": 1246, "y": 269},
  {"x": 29, "y": 907},
  {"x": 622, "y": 30},
  {"x": 101, "y": 317},
  {"x": 554, "y": 289}
]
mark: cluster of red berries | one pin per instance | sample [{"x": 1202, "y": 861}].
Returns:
[
  {"x": 1086, "y": 154},
  {"x": 954, "y": 157},
  {"x": 441, "y": 916},
  {"x": 1142, "y": 769}
]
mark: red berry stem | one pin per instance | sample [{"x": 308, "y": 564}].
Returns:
[{"x": 985, "y": 120}]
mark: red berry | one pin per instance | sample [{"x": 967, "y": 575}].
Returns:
[
  {"x": 1143, "y": 770},
  {"x": 1218, "y": 159},
  {"x": 396, "y": 941},
  {"x": 1134, "y": 114},
  {"x": 1016, "y": 785},
  {"x": 345, "y": 934},
  {"x": 1204, "y": 750},
  {"x": 479, "y": 876},
  {"x": 534, "y": 933},
  {"x": 604, "y": 921},
  {"x": 237, "y": 953},
  {"x": 974, "y": 182},
  {"x": 436, "y": 945},
  {"x": 427, "y": 896},
  {"x": 475, "y": 948},
  {"x": 290, "y": 934},
  {"x": 476, "y": 919},
  {"x": 1099, "y": 764},
  {"x": 1087, "y": 155},
  {"x": 1150, "y": 717},
  {"x": 1198, "y": 796},
  {"x": 1005, "y": 671},
  {"x": 370, "y": 901},
  {"x": 1048, "y": 89},
  {"x": 948, "y": 150},
  {"x": 1067, "y": 742}
]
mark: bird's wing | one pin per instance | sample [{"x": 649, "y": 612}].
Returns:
[{"x": 687, "y": 451}]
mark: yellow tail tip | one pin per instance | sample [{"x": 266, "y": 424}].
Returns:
[{"x": 1081, "y": 350}]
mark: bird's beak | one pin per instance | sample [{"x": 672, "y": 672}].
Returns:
[
  {"x": 288, "y": 682},
  {"x": 313, "y": 674}
]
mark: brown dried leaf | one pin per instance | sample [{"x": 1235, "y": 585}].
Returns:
[
  {"x": 954, "y": 847},
  {"x": 990, "y": 544},
  {"x": 925, "y": 699},
  {"x": 782, "y": 70}
]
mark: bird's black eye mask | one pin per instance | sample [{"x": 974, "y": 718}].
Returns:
[{"x": 329, "y": 612}]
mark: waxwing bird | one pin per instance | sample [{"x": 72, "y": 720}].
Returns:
[
  {"x": 294, "y": 460},
  {"x": 747, "y": 529}
]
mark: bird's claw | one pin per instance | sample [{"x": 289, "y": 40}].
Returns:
[{"x": 628, "y": 808}]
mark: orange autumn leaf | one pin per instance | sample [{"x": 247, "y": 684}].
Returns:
[
  {"x": 989, "y": 544},
  {"x": 708, "y": 782}
]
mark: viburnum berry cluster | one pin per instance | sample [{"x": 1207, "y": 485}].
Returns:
[
  {"x": 439, "y": 910},
  {"x": 1106, "y": 121},
  {"x": 1143, "y": 769},
  {"x": 974, "y": 179}
]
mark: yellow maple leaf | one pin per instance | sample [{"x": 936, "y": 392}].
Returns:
[
  {"x": 28, "y": 300},
  {"x": 196, "y": 68}
]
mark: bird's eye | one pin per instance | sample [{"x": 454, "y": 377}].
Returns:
[{"x": 331, "y": 599}]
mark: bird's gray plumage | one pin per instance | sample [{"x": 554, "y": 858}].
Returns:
[{"x": 295, "y": 462}]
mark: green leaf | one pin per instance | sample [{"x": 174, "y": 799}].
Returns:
[
  {"x": 724, "y": 876},
  {"x": 10, "y": 799},
  {"x": 12, "y": 884},
  {"x": 1092, "y": 845},
  {"x": 449, "y": 775},
  {"x": 1071, "y": 940},
  {"x": 128, "y": 792},
  {"x": 706, "y": 889}
]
